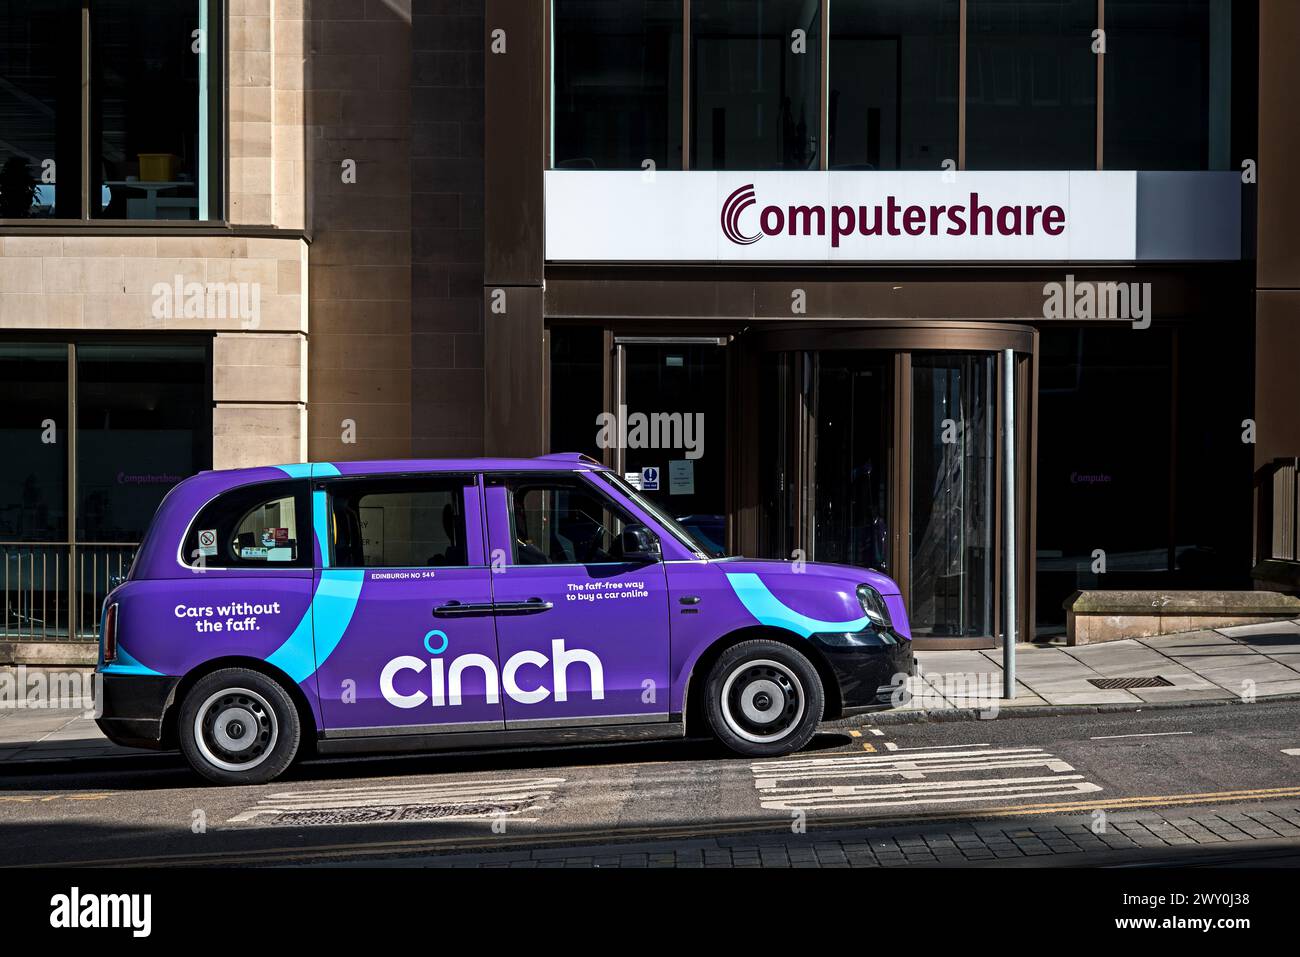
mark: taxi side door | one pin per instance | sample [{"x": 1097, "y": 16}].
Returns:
[
  {"x": 403, "y": 612},
  {"x": 581, "y": 604}
]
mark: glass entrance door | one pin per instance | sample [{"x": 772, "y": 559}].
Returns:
[
  {"x": 672, "y": 419},
  {"x": 889, "y": 458},
  {"x": 850, "y": 460},
  {"x": 952, "y": 495},
  {"x": 827, "y": 458}
]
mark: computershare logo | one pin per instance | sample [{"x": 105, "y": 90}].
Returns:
[
  {"x": 890, "y": 218},
  {"x": 75, "y": 909},
  {"x": 736, "y": 204}
]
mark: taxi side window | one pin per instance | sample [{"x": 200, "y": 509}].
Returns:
[
  {"x": 399, "y": 522},
  {"x": 267, "y": 525},
  {"x": 268, "y": 532},
  {"x": 563, "y": 521}
]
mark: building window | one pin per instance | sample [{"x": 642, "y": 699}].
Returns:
[
  {"x": 893, "y": 83},
  {"x": 33, "y": 433},
  {"x": 1031, "y": 85},
  {"x": 152, "y": 131},
  {"x": 1125, "y": 429},
  {"x": 617, "y": 84},
  {"x": 40, "y": 101},
  {"x": 1174, "y": 55},
  {"x": 93, "y": 435},
  {"x": 755, "y": 84},
  {"x": 892, "y": 74},
  {"x": 1104, "y": 447},
  {"x": 143, "y": 424}
]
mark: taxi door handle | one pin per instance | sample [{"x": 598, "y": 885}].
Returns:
[
  {"x": 530, "y": 607},
  {"x": 456, "y": 609}
]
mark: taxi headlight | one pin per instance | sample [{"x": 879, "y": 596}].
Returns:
[{"x": 873, "y": 606}]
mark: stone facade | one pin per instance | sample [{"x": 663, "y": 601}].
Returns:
[
  {"x": 80, "y": 283},
  {"x": 73, "y": 280},
  {"x": 369, "y": 342},
  {"x": 447, "y": 377},
  {"x": 358, "y": 121},
  {"x": 268, "y": 69}
]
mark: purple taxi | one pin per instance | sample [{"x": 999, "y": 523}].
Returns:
[{"x": 423, "y": 605}]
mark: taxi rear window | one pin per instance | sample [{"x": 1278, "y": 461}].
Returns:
[{"x": 267, "y": 525}]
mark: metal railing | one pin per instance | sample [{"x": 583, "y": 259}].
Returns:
[{"x": 52, "y": 592}]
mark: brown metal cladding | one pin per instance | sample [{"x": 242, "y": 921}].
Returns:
[
  {"x": 514, "y": 419},
  {"x": 986, "y": 294},
  {"x": 1277, "y": 357},
  {"x": 514, "y": 142},
  {"x": 1279, "y": 145},
  {"x": 1277, "y": 293}
]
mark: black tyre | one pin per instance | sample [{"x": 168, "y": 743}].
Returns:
[
  {"x": 763, "y": 699},
  {"x": 238, "y": 726}
]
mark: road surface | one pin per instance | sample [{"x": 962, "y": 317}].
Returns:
[{"x": 1190, "y": 785}]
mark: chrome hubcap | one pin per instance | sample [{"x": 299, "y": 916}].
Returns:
[
  {"x": 762, "y": 701},
  {"x": 235, "y": 729}
]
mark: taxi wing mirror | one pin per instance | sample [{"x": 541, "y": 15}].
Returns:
[{"x": 639, "y": 544}]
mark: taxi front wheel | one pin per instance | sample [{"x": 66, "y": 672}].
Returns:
[
  {"x": 763, "y": 699},
  {"x": 238, "y": 726}
]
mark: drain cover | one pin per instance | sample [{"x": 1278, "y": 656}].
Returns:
[{"x": 1151, "y": 681}]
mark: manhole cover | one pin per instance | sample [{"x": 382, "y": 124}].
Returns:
[
  {"x": 1151, "y": 681},
  {"x": 403, "y": 812},
  {"x": 429, "y": 812},
  {"x": 349, "y": 815}
]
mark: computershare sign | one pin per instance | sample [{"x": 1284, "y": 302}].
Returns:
[{"x": 840, "y": 216}]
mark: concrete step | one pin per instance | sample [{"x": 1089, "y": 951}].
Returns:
[{"x": 1099, "y": 615}]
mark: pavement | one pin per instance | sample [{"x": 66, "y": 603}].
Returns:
[
  {"x": 1220, "y": 666},
  {"x": 1224, "y": 665}
]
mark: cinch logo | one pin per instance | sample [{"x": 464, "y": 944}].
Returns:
[
  {"x": 891, "y": 218},
  {"x": 445, "y": 682}
]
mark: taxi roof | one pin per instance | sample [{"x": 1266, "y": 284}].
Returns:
[{"x": 575, "y": 461}]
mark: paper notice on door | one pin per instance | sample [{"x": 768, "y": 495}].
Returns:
[
  {"x": 372, "y": 534},
  {"x": 633, "y": 479},
  {"x": 681, "y": 477}
]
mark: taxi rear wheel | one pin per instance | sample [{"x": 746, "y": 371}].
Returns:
[
  {"x": 237, "y": 726},
  {"x": 763, "y": 699}
]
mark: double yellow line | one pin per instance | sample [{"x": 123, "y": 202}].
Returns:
[{"x": 670, "y": 832}]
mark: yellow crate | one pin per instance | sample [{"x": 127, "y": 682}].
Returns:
[{"x": 157, "y": 167}]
